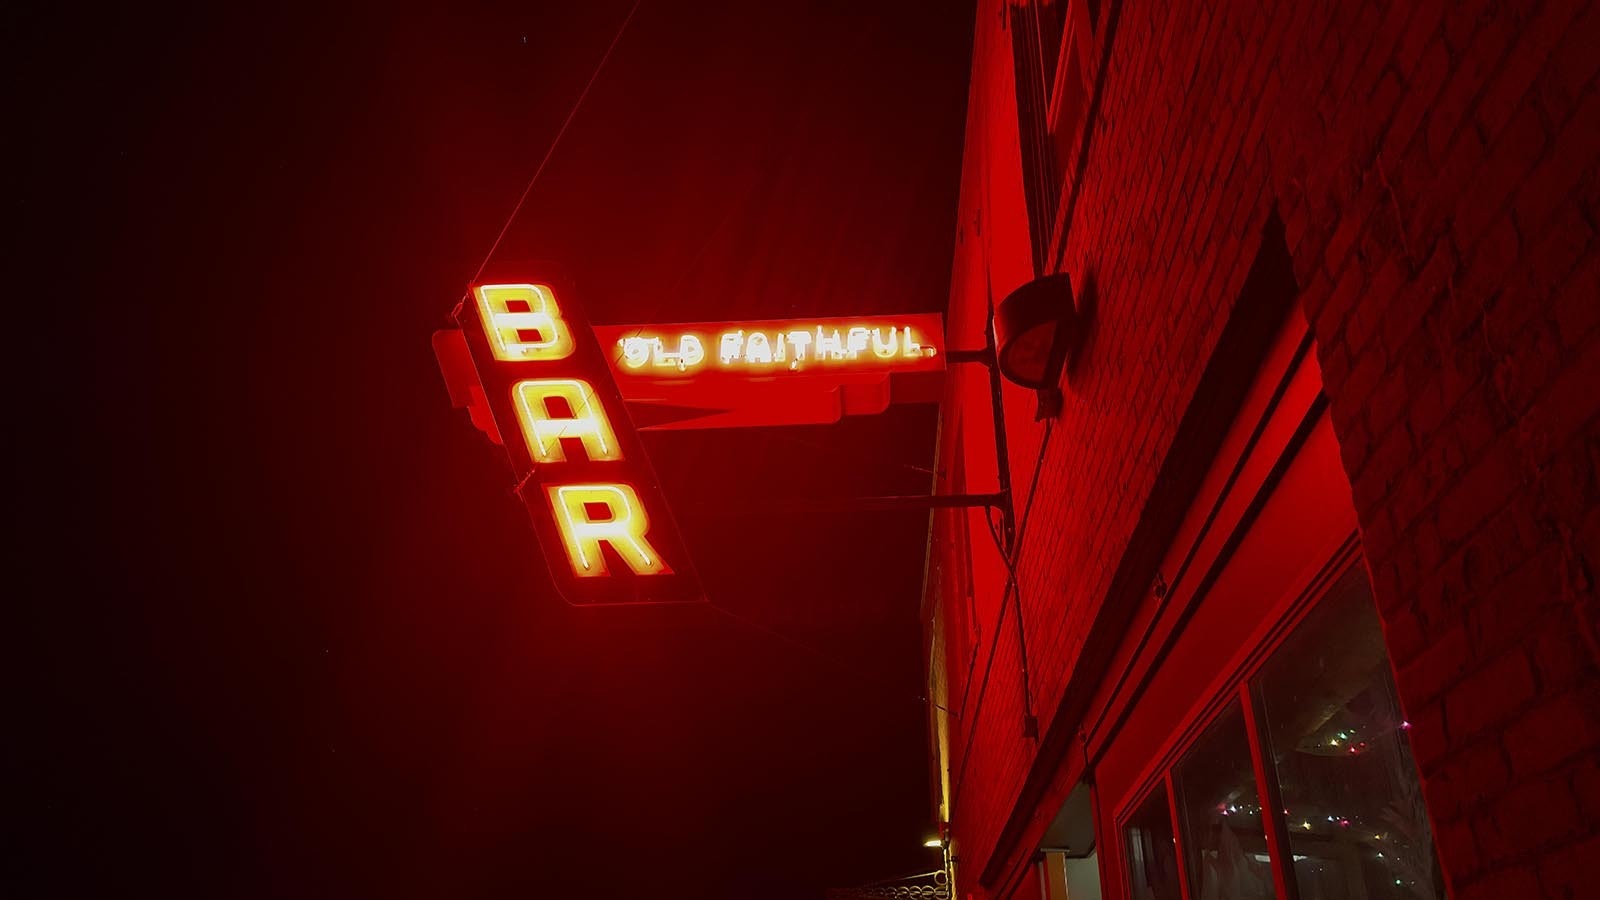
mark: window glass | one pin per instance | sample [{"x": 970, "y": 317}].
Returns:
[
  {"x": 1338, "y": 745},
  {"x": 1083, "y": 878},
  {"x": 1152, "y": 854},
  {"x": 1223, "y": 840}
]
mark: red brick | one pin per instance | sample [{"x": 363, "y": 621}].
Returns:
[
  {"x": 1430, "y": 215},
  {"x": 1575, "y": 310},
  {"x": 1430, "y": 739},
  {"x": 1481, "y": 490},
  {"x": 1458, "y": 847},
  {"x": 1568, "y": 873},
  {"x": 1477, "y": 61},
  {"x": 1504, "y": 615},
  {"x": 1463, "y": 21},
  {"x": 1502, "y": 884},
  {"x": 1430, "y": 547},
  {"x": 1355, "y": 442},
  {"x": 1552, "y": 181},
  {"x": 1444, "y": 661},
  {"x": 1428, "y": 403},
  {"x": 1475, "y": 773},
  {"x": 1386, "y": 586},
  {"x": 1487, "y": 269},
  {"x": 1479, "y": 414},
  {"x": 1586, "y": 786},
  {"x": 1551, "y": 261},
  {"x": 1378, "y": 536},
  {"x": 1554, "y": 732},
  {"x": 1510, "y": 85},
  {"x": 1528, "y": 367},
  {"x": 1560, "y": 658},
  {"x": 1570, "y": 404},
  {"x": 1568, "y": 486},
  {"x": 1424, "y": 83},
  {"x": 1334, "y": 358},
  {"x": 1573, "y": 65},
  {"x": 1351, "y": 224},
  {"x": 1587, "y": 539},
  {"x": 1388, "y": 458},
  {"x": 1404, "y": 637},
  {"x": 1490, "y": 696},
  {"x": 1532, "y": 814},
  {"x": 1330, "y": 319},
  {"x": 1388, "y": 402},
  {"x": 1513, "y": 153}
]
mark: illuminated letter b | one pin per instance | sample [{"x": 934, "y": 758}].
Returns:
[{"x": 523, "y": 322}]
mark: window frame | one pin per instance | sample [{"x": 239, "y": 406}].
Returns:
[
  {"x": 1050, "y": 147},
  {"x": 1235, "y": 686}
]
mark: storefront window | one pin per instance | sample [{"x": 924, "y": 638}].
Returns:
[
  {"x": 1223, "y": 840},
  {"x": 1338, "y": 744},
  {"x": 1152, "y": 856}
]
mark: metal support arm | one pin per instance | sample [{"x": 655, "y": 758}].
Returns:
[{"x": 986, "y": 356}]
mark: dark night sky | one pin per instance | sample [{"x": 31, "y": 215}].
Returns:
[{"x": 288, "y": 633}]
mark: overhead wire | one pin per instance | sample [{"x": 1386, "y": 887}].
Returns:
[
  {"x": 1011, "y": 592},
  {"x": 556, "y": 142}
]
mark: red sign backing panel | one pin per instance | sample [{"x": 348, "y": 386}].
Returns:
[{"x": 740, "y": 374}]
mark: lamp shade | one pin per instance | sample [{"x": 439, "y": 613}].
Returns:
[{"x": 1030, "y": 331}]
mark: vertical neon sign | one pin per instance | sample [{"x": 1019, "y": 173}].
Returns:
[{"x": 600, "y": 516}]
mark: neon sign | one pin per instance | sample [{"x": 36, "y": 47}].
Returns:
[
  {"x": 831, "y": 345},
  {"x": 523, "y": 321},
  {"x": 906, "y": 343},
  {"x": 774, "y": 372},
  {"x": 561, "y": 396},
  {"x": 599, "y": 514}
]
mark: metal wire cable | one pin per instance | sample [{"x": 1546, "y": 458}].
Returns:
[
  {"x": 556, "y": 142},
  {"x": 1011, "y": 588}
]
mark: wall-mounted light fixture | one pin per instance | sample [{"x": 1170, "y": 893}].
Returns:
[{"x": 1037, "y": 328}]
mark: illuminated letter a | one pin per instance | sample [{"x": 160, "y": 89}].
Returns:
[{"x": 584, "y": 419}]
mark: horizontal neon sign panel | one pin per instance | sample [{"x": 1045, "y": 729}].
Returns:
[{"x": 907, "y": 343}]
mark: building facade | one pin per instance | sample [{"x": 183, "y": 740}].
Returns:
[{"x": 1301, "y": 600}]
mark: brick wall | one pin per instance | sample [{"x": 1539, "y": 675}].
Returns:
[{"x": 1437, "y": 168}]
